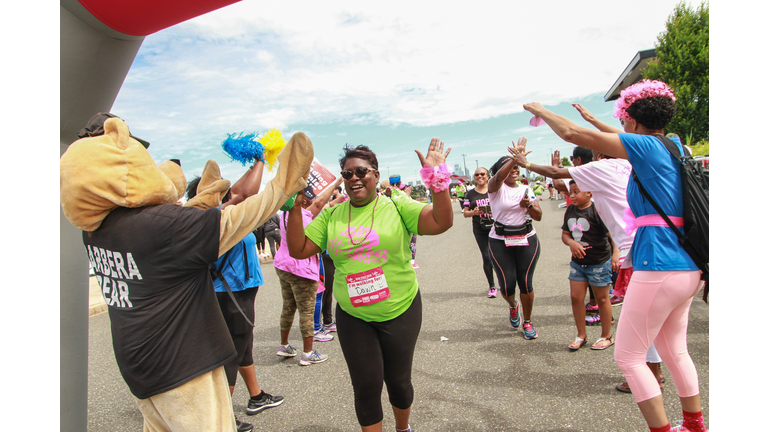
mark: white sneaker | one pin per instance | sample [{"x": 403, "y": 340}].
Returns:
[
  {"x": 312, "y": 358},
  {"x": 322, "y": 336}
]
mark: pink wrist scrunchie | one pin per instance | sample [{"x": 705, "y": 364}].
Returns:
[{"x": 436, "y": 178}]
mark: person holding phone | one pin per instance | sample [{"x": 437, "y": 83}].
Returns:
[
  {"x": 513, "y": 243},
  {"x": 476, "y": 205}
]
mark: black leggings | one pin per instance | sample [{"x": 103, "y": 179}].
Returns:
[
  {"x": 481, "y": 237},
  {"x": 515, "y": 264},
  {"x": 379, "y": 352},
  {"x": 273, "y": 237},
  {"x": 327, "y": 305}
]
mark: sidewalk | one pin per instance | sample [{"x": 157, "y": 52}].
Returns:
[{"x": 96, "y": 303}]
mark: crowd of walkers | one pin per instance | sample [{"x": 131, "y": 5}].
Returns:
[{"x": 181, "y": 295}]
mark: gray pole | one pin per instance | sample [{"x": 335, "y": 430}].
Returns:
[
  {"x": 465, "y": 163},
  {"x": 90, "y": 59}
]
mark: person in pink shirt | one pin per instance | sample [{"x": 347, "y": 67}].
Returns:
[{"x": 299, "y": 283}]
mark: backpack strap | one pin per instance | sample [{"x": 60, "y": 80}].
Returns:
[
  {"x": 216, "y": 272},
  {"x": 245, "y": 258},
  {"x": 672, "y": 148},
  {"x": 657, "y": 207}
]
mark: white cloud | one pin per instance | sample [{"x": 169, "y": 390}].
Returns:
[{"x": 252, "y": 66}]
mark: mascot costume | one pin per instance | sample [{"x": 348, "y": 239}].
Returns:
[{"x": 151, "y": 257}]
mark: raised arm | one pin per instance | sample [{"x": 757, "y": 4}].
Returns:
[
  {"x": 435, "y": 218},
  {"x": 239, "y": 220},
  {"x": 494, "y": 184},
  {"x": 299, "y": 245},
  {"x": 604, "y": 142},
  {"x": 603, "y": 127},
  {"x": 249, "y": 185},
  {"x": 551, "y": 171}
]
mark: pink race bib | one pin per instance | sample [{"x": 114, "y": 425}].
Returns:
[{"x": 367, "y": 287}]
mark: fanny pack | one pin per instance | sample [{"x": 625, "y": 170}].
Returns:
[
  {"x": 513, "y": 230},
  {"x": 486, "y": 224}
]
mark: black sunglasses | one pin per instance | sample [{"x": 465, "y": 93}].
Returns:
[{"x": 360, "y": 172}]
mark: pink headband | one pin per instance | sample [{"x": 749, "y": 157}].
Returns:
[{"x": 641, "y": 90}]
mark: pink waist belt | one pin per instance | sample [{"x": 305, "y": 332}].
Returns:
[{"x": 632, "y": 223}]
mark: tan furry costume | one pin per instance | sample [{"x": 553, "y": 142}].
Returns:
[{"x": 99, "y": 174}]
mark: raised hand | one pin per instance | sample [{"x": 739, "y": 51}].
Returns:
[
  {"x": 518, "y": 152},
  {"x": 435, "y": 155},
  {"x": 585, "y": 114},
  {"x": 534, "y": 108},
  {"x": 556, "y": 161}
]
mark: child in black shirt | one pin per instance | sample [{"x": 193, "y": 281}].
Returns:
[{"x": 585, "y": 233}]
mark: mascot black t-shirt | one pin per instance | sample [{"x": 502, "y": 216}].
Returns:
[{"x": 152, "y": 266}]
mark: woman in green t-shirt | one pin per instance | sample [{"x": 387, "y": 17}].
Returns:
[{"x": 378, "y": 311}]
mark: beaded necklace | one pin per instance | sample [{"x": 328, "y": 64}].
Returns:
[{"x": 349, "y": 229}]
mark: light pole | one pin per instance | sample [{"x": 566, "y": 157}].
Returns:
[
  {"x": 477, "y": 165},
  {"x": 465, "y": 163}
]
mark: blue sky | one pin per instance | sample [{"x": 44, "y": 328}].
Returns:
[{"x": 390, "y": 76}]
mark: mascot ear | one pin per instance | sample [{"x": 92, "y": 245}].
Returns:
[
  {"x": 175, "y": 173},
  {"x": 100, "y": 173},
  {"x": 211, "y": 188}
]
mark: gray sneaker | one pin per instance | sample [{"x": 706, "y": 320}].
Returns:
[
  {"x": 322, "y": 336},
  {"x": 286, "y": 351},
  {"x": 313, "y": 357}
]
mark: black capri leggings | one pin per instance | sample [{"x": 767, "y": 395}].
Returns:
[
  {"x": 327, "y": 304},
  {"x": 481, "y": 237},
  {"x": 379, "y": 352},
  {"x": 515, "y": 264}
]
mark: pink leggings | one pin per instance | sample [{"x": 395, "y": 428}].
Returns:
[{"x": 656, "y": 311}]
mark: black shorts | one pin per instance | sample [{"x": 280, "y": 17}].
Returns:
[{"x": 239, "y": 329}]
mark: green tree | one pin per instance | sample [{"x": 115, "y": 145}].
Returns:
[
  {"x": 566, "y": 162},
  {"x": 700, "y": 149},
  {"x": 682, "y": 61}
]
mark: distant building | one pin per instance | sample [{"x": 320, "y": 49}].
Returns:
[{"x": 418, "y": 182}]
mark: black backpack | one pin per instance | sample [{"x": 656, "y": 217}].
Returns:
[{"x": 695, "y": 178}]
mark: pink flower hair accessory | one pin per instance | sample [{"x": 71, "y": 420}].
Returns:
[
  {"x": 643, "y": 89},
  {"x": 436, "y": 178}
]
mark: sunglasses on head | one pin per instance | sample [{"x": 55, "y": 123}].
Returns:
[{"x": 360, "y": 172}]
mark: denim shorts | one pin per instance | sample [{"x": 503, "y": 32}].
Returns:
[{"x": 598, "y": 275}]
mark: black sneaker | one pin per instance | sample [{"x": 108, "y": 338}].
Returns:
[
  {"x": 265, "y": 401},
  {"x": 243, "y": 426}
]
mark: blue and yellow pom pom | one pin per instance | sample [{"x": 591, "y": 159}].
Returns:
[{"x": 244, "y": 148}]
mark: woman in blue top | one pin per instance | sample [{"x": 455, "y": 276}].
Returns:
[{"x": 665, "y": 279}]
